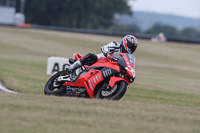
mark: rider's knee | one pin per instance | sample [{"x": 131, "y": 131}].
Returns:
[{"x": 89, "y": 59}]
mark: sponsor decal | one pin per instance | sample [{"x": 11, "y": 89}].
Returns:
[
  {"x": 97, "y": 78},
  {"x": 107, "y": 72},
  {"x": 75, "y": 91},
  {"x": 93, "y": 81},
  {"x": 90, "y": 85},
  {"x": 130, "y": 69}
]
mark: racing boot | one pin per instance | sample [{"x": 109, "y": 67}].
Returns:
[{"x": 74, "y": 66}]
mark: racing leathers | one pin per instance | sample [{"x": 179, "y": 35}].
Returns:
[{"x": 110, "y": 51}]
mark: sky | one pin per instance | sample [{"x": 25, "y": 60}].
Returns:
[{"x": 185, "y": 8}]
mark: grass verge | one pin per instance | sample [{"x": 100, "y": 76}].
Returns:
[{"x": 35, "y": 113}]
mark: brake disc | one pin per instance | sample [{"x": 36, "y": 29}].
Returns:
[{"x": 106, "y": 93}]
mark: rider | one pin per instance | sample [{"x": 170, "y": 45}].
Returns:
[{"x": 111, "y": 51}]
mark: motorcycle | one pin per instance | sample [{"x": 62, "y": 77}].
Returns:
[{"x": 104, "y": 79}]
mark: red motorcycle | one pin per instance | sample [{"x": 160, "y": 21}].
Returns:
[{"x": 104, "y": 79}]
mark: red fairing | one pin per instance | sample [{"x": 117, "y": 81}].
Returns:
[
  {"x": 104, "y": 62},
  {"x": 130, "y": 71},
  {"x": 129, "y": 67},
  {"x": 88, "y": 80},
  {"x": 77, "y": 56},
  {"x": 114, "y": 80}
]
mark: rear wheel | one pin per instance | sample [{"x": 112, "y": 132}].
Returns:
[
  {"x": 54, "y": 84},
  {"x": 115, "y": 93}
]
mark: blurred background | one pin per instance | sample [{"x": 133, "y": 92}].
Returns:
[{"x": 174, "y": 18}]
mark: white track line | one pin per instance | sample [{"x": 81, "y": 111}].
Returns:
[{"x": 4, "y": 89}]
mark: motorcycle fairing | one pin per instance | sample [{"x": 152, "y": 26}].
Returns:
[
  {"x": 77, "y": 56},
  {"x": 104, "y": 62},
  {"x": 125, "y": 63},
  {"x": 102, "y": 69},
  {"x": 114, "y": 80},
  {"x": 88, "y": 80},
  {"x": 97, "y": 72}
]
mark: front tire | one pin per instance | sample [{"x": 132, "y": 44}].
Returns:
[
  {"x": 54, "y": 87},
  {"x": 118, "y": 93}
]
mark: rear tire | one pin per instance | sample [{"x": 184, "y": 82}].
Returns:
[
  {"x": 116, "y": 95},
  {"x": 59, "y": 89}
]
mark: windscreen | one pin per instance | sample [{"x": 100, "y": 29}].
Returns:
[{"x": 131, "y": 58}]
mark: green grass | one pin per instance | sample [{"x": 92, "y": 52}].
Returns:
[
  {"x": 24, "y": 78},
  {"x": 162, "y": 97},
  {"x": 36, "y": 113},
  {"x": 165, "y": 96}
]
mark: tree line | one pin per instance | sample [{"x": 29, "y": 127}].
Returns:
[
  {"x": 168, "y": 30},
  {"x": 91, "y": 14},
  {"x": 171, "y": 31},
  {"x": 94, "y": 14}
]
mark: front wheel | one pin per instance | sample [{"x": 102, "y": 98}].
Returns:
[
  {"x": 115, "y": 93},
  {"x": 54, "y": 84}
]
